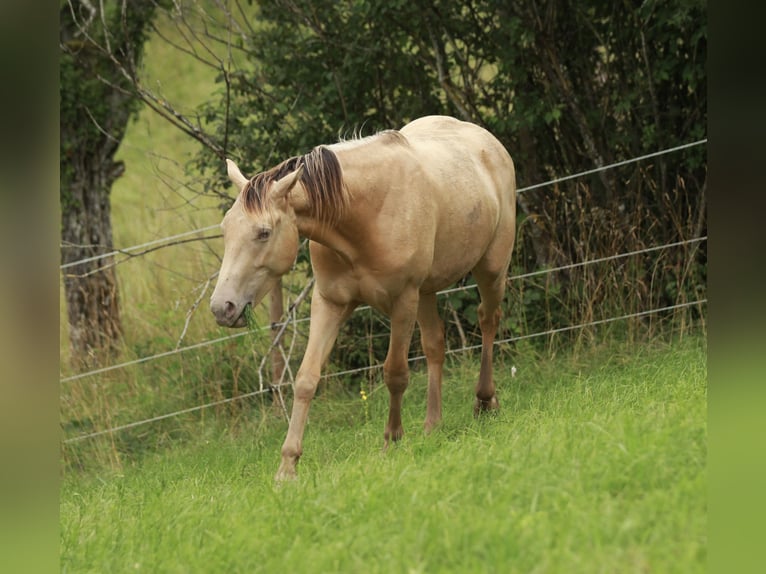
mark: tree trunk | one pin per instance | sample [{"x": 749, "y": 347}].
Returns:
[
  {"x": 90, "y": 288},
  {"x": 97, "y": 98}
]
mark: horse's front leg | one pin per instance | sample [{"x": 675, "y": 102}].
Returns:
[
  {"x": 396, "y": 371},
  {"x": 326, "y": 320}
]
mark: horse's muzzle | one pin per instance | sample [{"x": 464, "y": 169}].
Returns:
[{"x": 228, "y": 313}]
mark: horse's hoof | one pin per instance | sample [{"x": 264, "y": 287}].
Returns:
[
  {"x": 285, "y": 474},
  {"x": 392, "y": 436},
  {"x": 430, "y": 425},
  {"x": 481, "y": 406}
]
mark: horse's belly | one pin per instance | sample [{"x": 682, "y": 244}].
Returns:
[
  {"x": 461, "y": 240},
  {"x": 445, "y": 273}
]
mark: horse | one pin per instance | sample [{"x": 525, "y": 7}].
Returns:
[{"x": 391, "y": 219}]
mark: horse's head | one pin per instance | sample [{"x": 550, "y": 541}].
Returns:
[{"x": 260, "y": 245}]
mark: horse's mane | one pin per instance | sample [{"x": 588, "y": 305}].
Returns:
[{"x": 322, "y": 179}]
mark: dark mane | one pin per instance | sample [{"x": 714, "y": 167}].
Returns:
[{"x": 322, "y": 179}]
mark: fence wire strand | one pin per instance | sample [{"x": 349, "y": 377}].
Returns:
[
  {"x": 174, "y": 414},
  {"x": 613, "y": 165},
  {"x": 127, "y": 250}
]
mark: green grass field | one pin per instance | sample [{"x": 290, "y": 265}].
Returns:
[{"x": 596, "y": 463}]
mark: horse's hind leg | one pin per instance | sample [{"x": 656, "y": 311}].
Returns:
[
  {"x": 396, "y": 371},
  {"x": 489, "y": 319},
  {"x": 490, "y": 275},
  {"x": 432, "y": 340}
]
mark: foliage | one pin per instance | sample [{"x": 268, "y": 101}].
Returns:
[
  {"x": 565, "y": 86},
  {"x": 579, "y": 82}
]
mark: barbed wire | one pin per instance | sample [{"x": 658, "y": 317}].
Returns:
[
  {"x": 380, "y": 365},
  {"x": 366, "y": 307},
  {"x": 127, "y": 250}
]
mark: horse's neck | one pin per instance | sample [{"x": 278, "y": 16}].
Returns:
[
  {"x": 330, "y": 236},
  {"x": 349, "y": 235}
]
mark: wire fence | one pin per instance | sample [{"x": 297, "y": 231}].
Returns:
[
  {"x": 366, "y": 307},
  {"x": 293, "y": 320},
  {"x": 131, "y": 249},
  {"x": 276, "y": 387}
]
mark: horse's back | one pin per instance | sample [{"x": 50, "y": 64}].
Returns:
[
  {"x": 463, "y": 161},
  {"x": 428, "y": 204},
  {"x": 444, "y": 138},
  {"x": 470, "y": 179}
]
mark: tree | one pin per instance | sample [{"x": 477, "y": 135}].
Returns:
[
  {"x": 96, "y": 102},
  {"x": 566, "y": 86}
]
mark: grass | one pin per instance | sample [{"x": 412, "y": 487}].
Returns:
[{"x": 596, "y": 463}]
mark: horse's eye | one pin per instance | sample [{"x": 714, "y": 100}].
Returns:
[{"x": 264, "y": 234}]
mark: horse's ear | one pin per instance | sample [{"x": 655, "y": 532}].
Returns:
[
  {"x": 235, "y": 175},
  {"x": 282, "y": 187}
]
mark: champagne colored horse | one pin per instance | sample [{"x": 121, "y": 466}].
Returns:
[{"x": 392, "y": 219}]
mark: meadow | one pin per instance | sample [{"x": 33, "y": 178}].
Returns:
[{"x": 595, "y": 463}]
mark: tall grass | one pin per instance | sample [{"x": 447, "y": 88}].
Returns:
[{"x": 595, "y": 463}]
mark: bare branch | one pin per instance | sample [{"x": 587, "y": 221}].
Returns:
[
  {"x": 164, "y": 109},
  {"x": 99, "y": 128},
  {"x": 105, "y": 27},
  {"x": 129, "y": 255},
  {"x": 278, "y": 337},
  {"x": 82, "y": 26},
  {"x": 207, "y": 34},
  {"x": 245, "y": 19},
  {"x": 444, "y": 79},
  {"x": 458, "y": 325},
  {"x": 183, "y": 49},
  {"x": 193, "y": 308}
]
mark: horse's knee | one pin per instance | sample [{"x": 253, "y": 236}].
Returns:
[
  {"x": 396, "y": 378},
  {"x": 489, "y": 318},
  {"x": 305, "y": 387}
]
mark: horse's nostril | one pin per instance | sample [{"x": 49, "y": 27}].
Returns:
[{"x": 228, "y": 308}]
